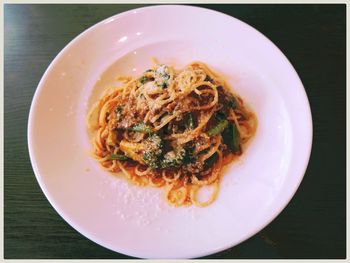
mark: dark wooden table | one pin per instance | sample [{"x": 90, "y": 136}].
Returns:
[{"x": 313, "y": 37}]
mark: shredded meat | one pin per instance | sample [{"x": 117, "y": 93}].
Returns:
[
  {"x": 125, "y": 118},
  {"x": 202, "y": 143},
  {"x": 194, "y": 168},
  {"x": 181, "y": 105}
]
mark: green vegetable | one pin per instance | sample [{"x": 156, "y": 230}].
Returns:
[
  {"x": 145, "y": 79},
  {"x": 190, "y": 121},
  {"x": 190, "y": 156},
  {"x": 232, "y": 102},
  {"x": 178, "y": 156},
  {"x": 232, "y": 138},
  {"x": 151, "y": 159},
  {"x": 219, "y": 128},
  {"x": 174, "y": 158},
  {"x": 153, "y": 150},
  {"x": 142, "y": 127},
  {"x": 119, "y": 157},
  {"x": 210, "y": 161},
  {"x": 220, "y": 116},
  {"x": 236, "y": 139}
]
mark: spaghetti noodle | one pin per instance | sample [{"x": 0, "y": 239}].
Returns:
[{"x": 171, "y": 128}]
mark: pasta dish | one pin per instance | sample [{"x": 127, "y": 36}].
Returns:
[{"x": 171, "y": 128}]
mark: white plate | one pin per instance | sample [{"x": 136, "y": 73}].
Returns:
[{"x": 137, "y": 221}]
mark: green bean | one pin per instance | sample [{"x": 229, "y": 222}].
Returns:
[
  {"x": 219, "y": 128},
  {"x": 236, "y": 139},
  {"x": 119, "y": 157},
  {"x": 190, "y": 121}
]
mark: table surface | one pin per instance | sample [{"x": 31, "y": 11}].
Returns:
[{"x": 313, "y": 38}]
